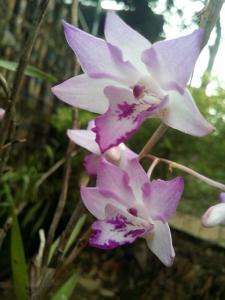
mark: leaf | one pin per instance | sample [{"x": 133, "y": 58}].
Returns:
[
  {"x": 18, "y": 262},
  {"x": 53, "y": 249},
  {"x": 72, "y": 238},
  {"x": 29, "y": 71},
  {"x": 66, "y": 290},
  {"x": 75, "y": 232}
]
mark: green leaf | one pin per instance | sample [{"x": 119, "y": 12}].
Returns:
[
  {"x": 53, "y": 249},
  {"x": 29, "y": 71},
  {"x": 72, "y": 238},
  {"x": 66, "y": 290},
  {"x": 18, "y": 262},
  {"x": 75, "y": 232}
]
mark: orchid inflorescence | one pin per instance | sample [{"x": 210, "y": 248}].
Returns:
[{"x": 127, "y": 80}]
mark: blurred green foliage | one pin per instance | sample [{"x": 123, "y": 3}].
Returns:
[
  {"x": 29, "y": 71},
  {"x": 18, "y": 262}
]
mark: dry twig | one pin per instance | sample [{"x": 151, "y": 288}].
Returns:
[{"x": 9, "y": 121}]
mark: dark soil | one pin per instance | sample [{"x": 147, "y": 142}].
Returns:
[{"x": 133, "y": 273}]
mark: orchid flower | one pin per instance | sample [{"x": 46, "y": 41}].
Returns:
[
  {"x": 127, "y": 79},
  {"x": 118, "y": 155},
  {"x": 215, "y": 215},
  {"x": 127, "y": 206}
]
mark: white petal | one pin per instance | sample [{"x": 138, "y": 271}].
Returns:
[
  {"x": 132, "y": 44},
  {"x": 214, "y": 216},
  {"x": 183, "y": 114},
  {"x": 96, "y": 201},
  {"x": 84, "y": 92},
  {"x": 160, "y": 243},
  {"x": 85, "y": 139}
]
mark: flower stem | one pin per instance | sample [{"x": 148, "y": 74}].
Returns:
[
  {"x": 160, "y": 131},
  {"x": 187, "y": 170},
  {"x": 152, "y": 167}
]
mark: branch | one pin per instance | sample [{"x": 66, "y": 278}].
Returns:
[
  {"x": 154, "y": 139},
  {"x": 61, "y": 203},
  {"x": 208, "y": 18},
  {"x": 9, "y": 121},
  {"x": 5, "y": 87},
  {"x": 212, "y": 55},
  {"x": 57, "y": 257},
  {"x": 187, "y": 170},
  {"x": 67, "y": 168}
]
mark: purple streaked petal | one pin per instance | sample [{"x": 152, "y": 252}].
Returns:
[
  {"x": 115, "y": 232},
  {"x": 110, "y": 131},
  {"x": 133, "y": 214},
  {"x": 78, "y": 91},
  {"x": 123, "y": 118},
  {"x": 215, "y": 215},
  {"x": 84, "y": 138},
  {"x": 132, "y": 44},
  {"x": 95, "y": 200},
  {"x": 112, "y": 178},
  {"x": 163, "y": 197},
  {"x": 172, "y": 62},
  {"x": 91, "y": 163},
  {"x": 183, "y": 114},
  {"x": 160, "y": 243},
  {"x": 98, "y": 58}
]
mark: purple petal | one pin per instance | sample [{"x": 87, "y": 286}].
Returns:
[
  {"x": 137, "y": 179},
  {"x": 98, "y": 58},
  {"x": 183, "y": 114},
  {"x": 163, "y": 198},
  {"x": 132, "y": 44},
  {"x": 160, "y": 243},
  {"x": 126, "y": 156},
  {"x": 214, "y": 216},
  {"x": 91, "y": 125},
  {"x": 96, "y": 200},
  {"x": 115, "y": 232},
  {"x": 91, "y": 163},
  {"x": 123, "y": 118},
  {"x": 79, "y": 90},
  {"x": 85, "y": 139},
  {"x": 112, "y": 179},
  {"x": 172, "y": 62},
  {"x": 222, "y": 197}
]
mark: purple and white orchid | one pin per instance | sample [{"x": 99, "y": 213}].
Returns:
[
  {"x": 127, "y": 206},
  {"x": 127, "y": 79},
  {"x": 118, "y": 155},
  {"x": 215, "y": 215}
]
